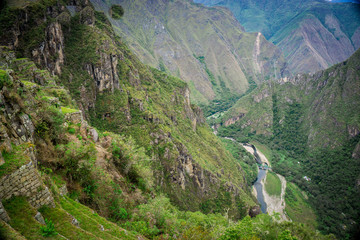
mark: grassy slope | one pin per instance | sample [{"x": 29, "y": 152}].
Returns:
[{"x": 297, "y": 206}]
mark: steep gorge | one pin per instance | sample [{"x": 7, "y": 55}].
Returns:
[
  {"x": 311, "y": 122},
  {"x": 97, "y": 127}
]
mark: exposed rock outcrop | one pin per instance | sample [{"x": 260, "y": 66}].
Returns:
[
  {"x": 3, "y": 214},
  {"x": 233, "y": 120},
  {"x": 38, "y": 217},
  {"x": 51, "y": 50},
  {"x": 105, "y": 73}
]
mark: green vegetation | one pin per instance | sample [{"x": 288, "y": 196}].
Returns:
[
  {"x": 71, "y": 130},
  {"x": 307, "y": 134},
  {"x": 48, "y": 230},
  {"x": 22, "y": 218},
  {"x": 14, "y": 159},
  {"x": 246, "y": 160},
  {"x": 273, "y": 184},
  {"x": 289, "y": 134},
  {"x": 66, "y": 110},
  {"x": 116, "y": 11},
  {"x": 224, "y": 71},
  {"x": 298, "y": 207},
  {"x": 90, "y": 221},
  {"x": 8, "y": 233},
  {"x": 282, "y": 22},
  {"x": 4, "y": 79},
  {"x": 156, "y": 164}
]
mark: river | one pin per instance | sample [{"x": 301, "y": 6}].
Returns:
[
  {"x": 259, "y": 184},
  {"x": 269, "y": 204},
  {"x": 259, "y": 189}
]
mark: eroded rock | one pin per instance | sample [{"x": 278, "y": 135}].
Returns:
[{"x": 38, "y": 217}]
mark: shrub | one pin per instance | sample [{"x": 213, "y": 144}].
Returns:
[
  {"x": 71, "y": 130},
  {"x": 116, "y": 11},
  {"x": 49, "y": 229},
  {"x": 77, "y": 160},
  {"x": 117, "y": 212},
  {"x": 4, "y": 79}
]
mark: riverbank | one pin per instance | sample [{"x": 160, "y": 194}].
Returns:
[
  {"x": 276, "y": 204},
  {"x": 273, "y": 203}
]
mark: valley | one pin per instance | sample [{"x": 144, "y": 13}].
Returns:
[{"x": 179, "y": 119}]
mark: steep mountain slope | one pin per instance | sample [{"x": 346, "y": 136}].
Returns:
[
  {"x": 117, "y": 93},
  {"x": 144, "y": 161},
  {"x": 312, "y": 34},
  {"x": 313, "y": 122},
  {"x": 206, "y": 47}
]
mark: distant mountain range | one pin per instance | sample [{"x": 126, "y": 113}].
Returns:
[
  {"x": 206, "y": 47},
  {"x": 312, "y": 34}
]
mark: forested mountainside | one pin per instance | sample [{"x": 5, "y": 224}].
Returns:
[
  {"x": 96, "y": 145},
  {"x": 312, "y": 123},
  {"x": 206, "y": 47},
  {"x": 312, "y": 34}
]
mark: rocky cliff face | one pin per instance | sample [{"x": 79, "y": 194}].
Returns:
[{"x": 212, "y": 53}]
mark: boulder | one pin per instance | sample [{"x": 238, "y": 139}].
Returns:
[
  {"x": 94, "y": 134},
  {"x": 38, "y": 217}
]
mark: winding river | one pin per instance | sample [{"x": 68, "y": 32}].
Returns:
[
  {"x": 269, "y": 203},
  {"x": 259, "y": 184}
]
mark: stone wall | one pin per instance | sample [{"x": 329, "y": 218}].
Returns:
[{"x": 26, "y": 181}]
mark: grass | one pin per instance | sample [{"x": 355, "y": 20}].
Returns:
[
  {"x": 273, "y": 184},
  {"x": 297, "y": 206},
  {"x": 7, "y": 232},
  {"x": 22, "y": 218},
  {"x": 29, "y": 84},
  {"x": 66, "y": 110},
  {"x": 91, "y": 221},
  {"x": 13, "y": 160},
  {"x": 22, "y": 221},
  {"x": 62, "y": 221}
]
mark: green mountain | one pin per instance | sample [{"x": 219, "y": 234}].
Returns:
[
  {"x": 96, "y": 145},
  {"x": 206, "y": 47},
  {"x": 311, "y": 123},
  {"x": 312, "y": 34}
]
